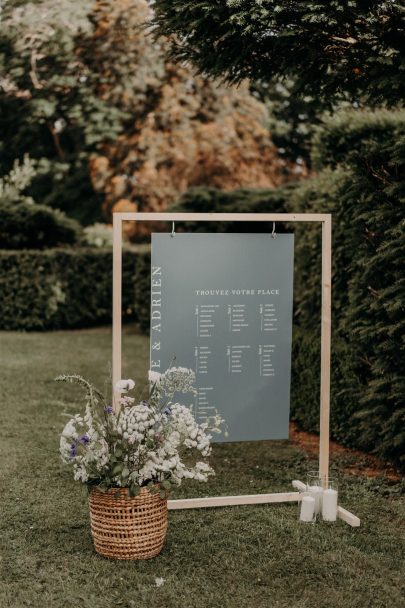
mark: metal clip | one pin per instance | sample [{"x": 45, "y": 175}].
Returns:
[
  {"x": 273, "y": 234},
  {"x": 173, "y": 232}
]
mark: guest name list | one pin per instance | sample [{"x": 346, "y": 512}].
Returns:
[{"x": 221, "y": 304}]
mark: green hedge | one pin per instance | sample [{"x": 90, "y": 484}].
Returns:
[
  {"x": 305, "y": 387},
  {"x": 243, "y": 200},
  {"x": 361, "y": 138},
  {"x": 362, "y": 184},
  {"x": 32, "y": 226},
  {"x": 142, "y": 291},
  {"x": 62, "y": 288}
]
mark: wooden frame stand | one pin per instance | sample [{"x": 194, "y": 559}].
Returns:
[{"x": 326, "y": 220}]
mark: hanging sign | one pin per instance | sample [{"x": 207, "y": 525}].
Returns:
[{"x": 221, "y": 304}]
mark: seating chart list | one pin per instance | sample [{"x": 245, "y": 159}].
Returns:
[{"x": 221, "y": 304}]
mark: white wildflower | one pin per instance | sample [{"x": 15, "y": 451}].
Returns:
[
  {"x": 155, "y": 440},
  {"x": 154, "y": 377},
  {"x": 159, "y": 581},
  {"x": 123, "y": 386}
]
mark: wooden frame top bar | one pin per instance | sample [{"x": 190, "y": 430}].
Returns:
[{"x": 224, "y": 217}]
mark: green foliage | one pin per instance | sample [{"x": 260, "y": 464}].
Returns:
[
  {"x": 292, "y": 119},
  {"x": 328, "y": 49},
  {"x": 99, "y": 235},
  {"x": 305, "y": 386},
  {"x": 362, "y": 184},
  {"x": 29, "y": 226},
  {"x": 61, "y": 288},
  {"x": 50, "y": 106},
  {"x": 13, "y": 184},
  {"x": 366, "y": 195},
  {"x": 242, "y": 200},
  {"x": 24, "y": 224},
  {"x": 72, "y": 191},
  {"x": 364, "y": 140}
]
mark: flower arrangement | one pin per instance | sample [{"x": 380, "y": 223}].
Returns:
[{"x": 154, "y": 443}]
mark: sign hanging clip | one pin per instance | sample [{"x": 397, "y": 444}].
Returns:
[
  {"x": 273, "y": 234},
  {"x": 173, "y": 232}
]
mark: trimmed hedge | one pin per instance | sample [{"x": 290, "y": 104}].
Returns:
[
  {"x": 305, "y": 387},
  {"x": 62, "y": 288},
  {"x": 360, "y": 138},
  {"x": 243, "y": 200},
  {"x": 142, "y": 291},
  {"x": 363, "y": 185},
  {"x": 32, "y": 226}
]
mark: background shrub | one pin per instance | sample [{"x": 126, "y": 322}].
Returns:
[
  {"x": 305, "y": 387},
  {"x": 31, "y": 226},
  {"x": 242, "y": 200},
  {"x": 362, "y": 184},
  {"x": 62, "y": 288}
]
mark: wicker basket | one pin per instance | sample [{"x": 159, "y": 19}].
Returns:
[{"x": 125, "y": 527}]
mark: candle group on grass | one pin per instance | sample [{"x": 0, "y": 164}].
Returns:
[{"x": 319, "y": 499}]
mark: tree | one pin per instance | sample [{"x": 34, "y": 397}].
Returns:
[
  {"x": 292, "y": 119},
  {"x": 185, "y": 130},
  {"x": 96, "y": 85},
  {"x": 331, "y": 50},
  {"x": 49, "y": 105}
]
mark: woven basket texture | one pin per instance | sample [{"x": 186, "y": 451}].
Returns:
[{"x": 125, "y": 527}]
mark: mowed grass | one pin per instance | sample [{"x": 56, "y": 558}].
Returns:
[{"x": 253, "y": 557}]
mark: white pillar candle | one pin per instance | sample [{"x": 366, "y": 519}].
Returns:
[
  {"x": 316, "y": 492},
  {"x": 307, "y": 508},
  {"x": 329, "y": 505}
]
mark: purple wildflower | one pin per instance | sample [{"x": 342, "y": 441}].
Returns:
[
  {"x": 73, "y": 449},
  {"x": 84, "y": 439},
  {"x": 167, "y": 410},
  {"x": 108, "y": 410}
]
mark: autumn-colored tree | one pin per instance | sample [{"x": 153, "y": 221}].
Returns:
[
  {"x": 185, "y": 130},
  {"x": 50, "y": 107},
  {"x": 96, "y": 85}
]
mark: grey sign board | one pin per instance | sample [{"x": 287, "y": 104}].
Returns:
[{"x": 222, "y": 305}]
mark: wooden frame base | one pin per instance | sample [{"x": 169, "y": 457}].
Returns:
[{"x": 254, "y": 499}]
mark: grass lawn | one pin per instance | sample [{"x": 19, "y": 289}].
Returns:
[{"x": 253, "y": 557}]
